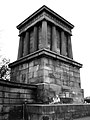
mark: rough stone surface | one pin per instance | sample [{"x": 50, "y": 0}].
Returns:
[
  {"x": 14, "y": 94},
  {"x": 61, "y": 78},
  {"x": 58, "y": 112}
]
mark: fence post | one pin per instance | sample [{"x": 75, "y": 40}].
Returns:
[{"x": 25, "y": 114}]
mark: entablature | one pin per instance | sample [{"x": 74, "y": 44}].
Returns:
[
  {"x": 49, "y": 15},
  {"x": 47, "y": 53}
]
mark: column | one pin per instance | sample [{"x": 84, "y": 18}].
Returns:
[
  {"x": 63, "y": 44},
  {"x": 44, "y": 34},
  {"x": 70, "y": 54},
  {"x": 20, "y": 49},
  {"x": 26, "y": 44},
  {"x": 54, "y": 39},
  {"x": 35, "y": 39}
]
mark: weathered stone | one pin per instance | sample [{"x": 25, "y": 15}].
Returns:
[
  {"x": 31, "y": 64},
  {"x": 49, "y": 59},
  {"x": 35, "y": 39},
  {"x": 54, "y": 42},
  {"x": 46, "y": 72},
  {"x": 26, "y": 44},
  {"x": 20, "y": 50},
  {"x": 44, "y": 34},
  {"x": 35, "y": 74},
  {"x": 70, "y": 54}
]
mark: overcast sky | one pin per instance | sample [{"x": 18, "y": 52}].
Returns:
[{"x": 12, "y": 12}]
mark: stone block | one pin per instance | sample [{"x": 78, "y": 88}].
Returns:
[
  {"x": 30, "y": 75},
  {"x": 50, "y": 62},
  {"x": 68, "y": 116},
  {"x": 1, "y": 94},
  {"x": 64, "y": 83},
  {"x": 22, "y": 95},
  {"x": 1, "y": 117},
  {"x": 52, "y": 75},
  {"x": 1, "y": 100},
  {"x": 57, "y": 63},
  {"x": 46, "y": 86},
  {"x": 35, "y": 68},
  {"x": 46, "y": 61},
  {"x": 33, "y": 81},
  {"x": 30, "y": 69},
  {"x": 25, "y": 66},
  {"x": 55, "y": 88},
  {"x": 28, "y": 96},
  {"x": 71, "y": 84},
  {"x": 37, "y": 62},
  {"x": 51, "y": 67},
  {"x": 46, "y": 72},
  {"x": 71, "y": 73},
  {"x": 58, "y": 69},
  {"x": 47, "y": 68},
  {"x": 57, "y": 75},
  {"x": 71, "y": 78},
  {"x": 75, "y": 74},
  {"x": 71, "y": 68},
  {"x": 1, "y": 108},
  {"x": 6, "y": 88},
  {"x": 40, "y": 73},
  {"x": 23, "y": 78},
  {"x": 40, "y": 79},
  {"x": 31, "y": 64},
  {"x": 1, "y": 88},
  {"x": 34, "y": 117},
  {"x": 7, "y": 94},
  {"x": 6, "y": 108},
  {"x": 58, "y": 82},
  {"x": 47, "y": 80},
  {"x": 35, "y": 74},
  {"x": 5, "y": 116}
]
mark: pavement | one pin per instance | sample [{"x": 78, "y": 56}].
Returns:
[{"x": 85, "y": 118}]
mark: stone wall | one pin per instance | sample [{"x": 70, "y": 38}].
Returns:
[
  {"x": 52, "y": 76},
  {"x": 58, "y": 112},
  {"x": 14, "y": 94}
]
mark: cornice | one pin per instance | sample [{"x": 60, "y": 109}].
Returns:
[
  {"x": 46, "y": 53},
  {"x": 16, "y": 85},
  {"x": 36, "y": 17},
  {"x": 47, "y": 17}
]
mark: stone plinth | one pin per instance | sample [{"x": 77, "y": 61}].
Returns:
[{"x": 52, "y": 73}]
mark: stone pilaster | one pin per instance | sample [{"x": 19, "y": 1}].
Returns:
[
  {"x": 35, "y": 39},
  {"x": 63, "y": 44},
  {"x": 20, "y": 49},
  {"x": 44, "y": 34},
  {"x": 70, "y": 54},
  {"x": 54, "y": 40},
  {"x": 26, "y": 44}
]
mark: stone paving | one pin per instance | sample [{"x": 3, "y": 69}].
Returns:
[{"x": 85, "y": 118}]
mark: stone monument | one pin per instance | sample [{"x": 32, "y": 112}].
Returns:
[{"x": 45, "y": 58}]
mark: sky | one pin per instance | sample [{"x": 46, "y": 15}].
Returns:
[{"x": 13, "y": 12}]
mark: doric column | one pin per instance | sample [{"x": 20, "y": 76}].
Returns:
[
  {"x": 70, "y": 54},
  {"x": 26, "y": 44},
  {"x": 35, "y": 39},
  {"x": 44, "y": 34},
  {"x": 63, "y": 44},
  {"x": 54, "y": 40},
  {"x": 20, "y": 49}
]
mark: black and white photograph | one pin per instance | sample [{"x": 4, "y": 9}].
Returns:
[{"x": 44, "y": 60}]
